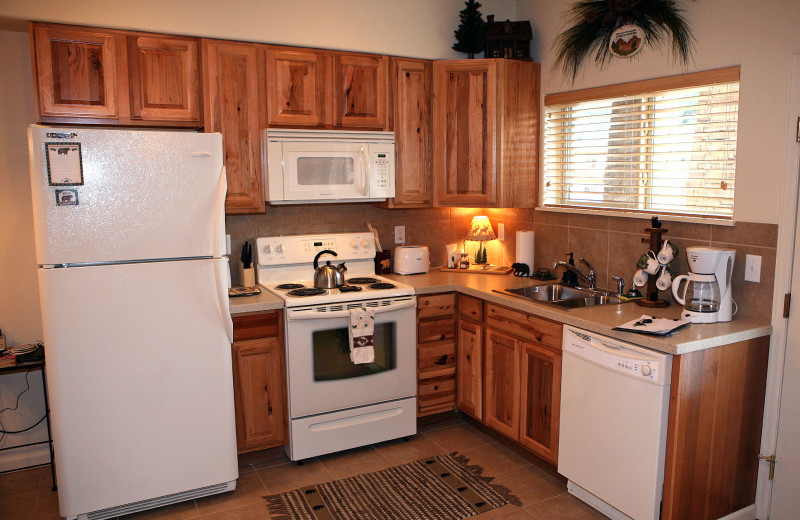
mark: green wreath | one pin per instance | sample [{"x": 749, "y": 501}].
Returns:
[{"x": 592, "y": 22}]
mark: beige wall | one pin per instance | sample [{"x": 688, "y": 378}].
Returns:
[
  {"x": 19, "y": 292},
  {"x": 416, "y": 28},
  {"x": 760, "y": 36}
]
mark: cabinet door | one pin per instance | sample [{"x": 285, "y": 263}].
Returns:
[
  {"x": 470, "y": 369},
  {"x": 411, "y": 91},
  {"x": 464, "y": 132},
  {"x": 360, "y": 84},
  {"x": 298, "y": 86},
  {"x": 502, "y": 383},
  {"x": 233, "y": 106},
  {"x": 76, "y": 72},
  {"x": 258, "y": 375},
  {"x": 541, "y": 399},
  {"x": 164, "y": 79}
]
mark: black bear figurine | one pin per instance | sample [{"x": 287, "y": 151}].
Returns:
[{"x": 521, "y": 269}]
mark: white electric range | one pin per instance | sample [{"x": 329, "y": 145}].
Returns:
[{"x": 333, "y": 403}]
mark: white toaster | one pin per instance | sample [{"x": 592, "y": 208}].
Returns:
[{"x": 411, "y": 260}]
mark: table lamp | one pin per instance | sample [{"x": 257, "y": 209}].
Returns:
[{"x": 480, "y": 230}]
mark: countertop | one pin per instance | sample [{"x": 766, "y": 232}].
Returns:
[{"x": 600, "y": 319}]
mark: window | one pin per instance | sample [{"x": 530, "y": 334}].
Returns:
[{"x": 665, "y": 146}]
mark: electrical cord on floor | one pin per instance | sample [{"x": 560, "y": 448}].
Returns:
[{"x": 3, "y": 430}]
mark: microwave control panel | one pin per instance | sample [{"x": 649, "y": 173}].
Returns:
[{"x": 382, "y": 181}]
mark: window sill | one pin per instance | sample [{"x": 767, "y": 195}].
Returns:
[{"x": 642, "y": 216}]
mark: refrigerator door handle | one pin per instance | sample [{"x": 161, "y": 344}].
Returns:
[
  {"x": 221, "y": 272},
  {"x": 219, "y": 218}
]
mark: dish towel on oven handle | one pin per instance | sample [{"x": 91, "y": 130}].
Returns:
[{"x": 362, "y": 328}]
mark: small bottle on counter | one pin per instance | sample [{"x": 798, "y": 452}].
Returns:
[{"x": 464, "y": 263}]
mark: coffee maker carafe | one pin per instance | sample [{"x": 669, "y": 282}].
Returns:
[{"x": 707, "y": 295}]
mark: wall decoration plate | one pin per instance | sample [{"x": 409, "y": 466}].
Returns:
[{"x": 626, "y": 41}]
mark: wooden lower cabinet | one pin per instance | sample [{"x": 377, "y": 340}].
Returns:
[
  {"x": 716, "y": 406},
  {"x": 436, "y": 354},
  {"x": 259, "y": 379},
  {"x": 470, "y": 368},
  {"x": 540, "y": 384},
  {"x": 502, "y": 383}
]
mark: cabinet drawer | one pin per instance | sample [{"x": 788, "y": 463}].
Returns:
[
  {"x": 253, "y": 325},
  {"x": 436, "y": 330},
  {"x": 436, "y": 356},
  {"x": 524, "y": 325},
  {"x": 470, "y": 307},
  {"x": 435, "y": 392},
  {"x": 436, "y": 305}
]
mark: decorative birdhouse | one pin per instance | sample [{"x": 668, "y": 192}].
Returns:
[{"x": 508, "y": 39}]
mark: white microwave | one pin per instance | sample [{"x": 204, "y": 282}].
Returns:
[{"x": 328, "y": 166}]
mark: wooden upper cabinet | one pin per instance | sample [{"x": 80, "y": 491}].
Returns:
[
  {"x": 298, "y": 84},
  {"x": 103, "y": 76},
  {"x": 360, "y": 90},
  {"x": 411, "y": 117},
  {"x": 164, "y": 78},
  {"x": 234, "y": 106},
  {"x": 76, "y": 72},
  {"x": 465, "y": 132},
  {"x": 485, "y": 132}
]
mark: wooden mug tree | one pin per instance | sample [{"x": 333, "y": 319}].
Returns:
[{"x": 650, "y": 298}]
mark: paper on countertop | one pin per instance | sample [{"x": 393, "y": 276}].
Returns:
[{"x": 652, "y": 325}]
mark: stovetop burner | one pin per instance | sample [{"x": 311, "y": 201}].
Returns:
[
  {"x": 306, "y": 291},
  {"x": 363, "y": 280},
  {"x": 382, "y": 285},
  {"x": 290, "y": 286},
  {"x": 350, "y": 288}
]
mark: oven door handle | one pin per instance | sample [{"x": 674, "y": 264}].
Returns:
[{"x": 310, "y": 314}]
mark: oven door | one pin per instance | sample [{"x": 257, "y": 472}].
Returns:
[
  {"x": 324, "y": 170},
  {"x": 319, "y": 371}
]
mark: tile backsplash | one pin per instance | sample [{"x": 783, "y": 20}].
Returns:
[{"x": 611, "y": 244}]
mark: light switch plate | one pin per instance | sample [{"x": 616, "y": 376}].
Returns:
[
  {"x": 400, "y": 235},
  {"x": 752, "y": 268}
]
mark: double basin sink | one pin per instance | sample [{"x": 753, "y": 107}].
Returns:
[{"x": 564, "y": 296}]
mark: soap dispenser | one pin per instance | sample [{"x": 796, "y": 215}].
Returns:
[{"x": 569, "y": 278}]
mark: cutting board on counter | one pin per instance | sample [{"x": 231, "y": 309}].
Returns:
[{"x": 480, "y": 269}]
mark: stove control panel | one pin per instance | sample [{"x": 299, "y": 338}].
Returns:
[{"x": 301, "y": 249}]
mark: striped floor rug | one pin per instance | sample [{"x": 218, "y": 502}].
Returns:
[{"x": 444, "y": 487}]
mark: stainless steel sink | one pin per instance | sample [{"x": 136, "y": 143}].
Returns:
[{"x": 563, "y": 296}]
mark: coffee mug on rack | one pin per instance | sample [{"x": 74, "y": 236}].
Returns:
[
  {"x": 668, "y": 253},
  {"x": 640, "y": 278},
  {"x": 664, "y": 280},
  {"x": 648, "y": 263}
]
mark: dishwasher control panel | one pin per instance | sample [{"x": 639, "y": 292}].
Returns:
[{"x": 619, "y": 356}]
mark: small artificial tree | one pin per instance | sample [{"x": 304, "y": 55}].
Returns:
[{"x": 470, "y": 35}]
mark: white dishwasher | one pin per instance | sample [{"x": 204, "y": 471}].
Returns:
[{"x": 613, "y": 430}]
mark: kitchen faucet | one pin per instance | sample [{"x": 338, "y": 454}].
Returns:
[{"x": 588, "y": 278}]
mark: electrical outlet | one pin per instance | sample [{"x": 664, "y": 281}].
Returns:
[
  {"x": 400, "y": 235},
  {"x": 752, "y": 268}
]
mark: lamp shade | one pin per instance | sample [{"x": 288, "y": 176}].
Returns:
[{"x": 481, "y": 230}]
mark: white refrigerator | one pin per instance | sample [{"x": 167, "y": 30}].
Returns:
[{"x": 130, "y": 243}]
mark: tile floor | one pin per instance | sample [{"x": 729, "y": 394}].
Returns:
[{"x": 26, "y": 495}]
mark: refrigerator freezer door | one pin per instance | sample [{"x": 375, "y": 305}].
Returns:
[
  {"x": 141, "y": 387},
  {"x": 145, "y": 194}
]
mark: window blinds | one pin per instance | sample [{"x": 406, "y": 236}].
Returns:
[{"x": 664, "y": 150}]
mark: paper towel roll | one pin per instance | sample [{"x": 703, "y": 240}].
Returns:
[{"x": 525, "y": 249}]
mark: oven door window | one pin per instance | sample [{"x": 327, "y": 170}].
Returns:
[{"x": 331, "y": 349}]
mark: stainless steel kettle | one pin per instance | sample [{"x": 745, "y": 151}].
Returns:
[{"x": 328, "y": 276}]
